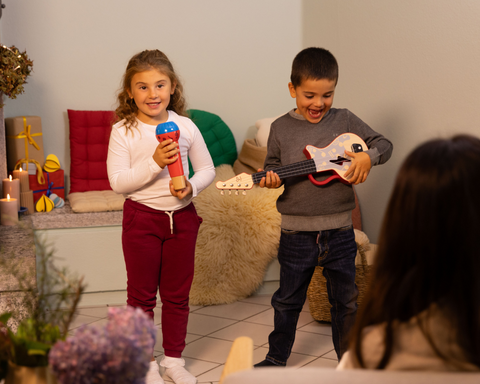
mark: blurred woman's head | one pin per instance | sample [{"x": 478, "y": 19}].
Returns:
[{"x": 428, "y": 250}]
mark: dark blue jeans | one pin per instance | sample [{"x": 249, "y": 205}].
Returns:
[{"x": 299, "y": 253}]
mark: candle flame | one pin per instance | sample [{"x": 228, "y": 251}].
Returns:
[
  {"x": 8, "y": 196},
  {"x": 10, "y": 177},
  {"x": 20, "y": 169}
]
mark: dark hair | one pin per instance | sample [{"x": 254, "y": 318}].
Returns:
[
  {"x": 313, "y": 63},
  {"x": 428, "y": 248},
  {"x": 141, "y": 62}
]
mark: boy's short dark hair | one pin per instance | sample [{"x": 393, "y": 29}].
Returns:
[{"x": 314, "y": 63}]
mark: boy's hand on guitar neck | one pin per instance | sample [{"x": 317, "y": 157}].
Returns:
[
  {"x": 271, "y": 180},
  {"x": 360, "y": 168}
]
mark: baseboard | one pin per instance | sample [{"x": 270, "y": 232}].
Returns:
[
  {"x": 97, "y": 299},
  {"x": 268, "y": 287},
  {"x": 119, "y": 297}
]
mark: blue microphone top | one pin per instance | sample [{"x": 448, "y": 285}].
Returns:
[{"x": 166, "y": 127}]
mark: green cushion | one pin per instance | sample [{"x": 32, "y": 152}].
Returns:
[{"x": 217, "y": 135}]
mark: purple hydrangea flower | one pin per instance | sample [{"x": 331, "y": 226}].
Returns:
[{"x": 119, "y": 352}]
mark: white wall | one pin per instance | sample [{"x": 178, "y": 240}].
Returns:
[
  {"x": 410, "y": 69},
  {"x": 233, "y": 56}
]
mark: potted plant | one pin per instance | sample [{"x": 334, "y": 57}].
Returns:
[
  {"x": 46, "y": 304},
  {"x": 15, "y": 67}
]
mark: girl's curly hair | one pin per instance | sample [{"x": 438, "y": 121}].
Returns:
[{"x": 141, "y": 62}]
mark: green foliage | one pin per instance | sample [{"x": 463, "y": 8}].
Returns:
[
  {"x": 15, "y": 67},
  {"x": 5, "y": 345},
  {"x": 49, "y": 296}
]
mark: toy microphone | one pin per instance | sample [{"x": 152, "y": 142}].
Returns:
[{"x": 165, "y": 131}]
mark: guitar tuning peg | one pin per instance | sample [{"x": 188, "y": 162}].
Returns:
[
  {"x": 229, "y": 193},
  {"x": 244, "y": 193},
  {"x": 222, "y": 193},
  {"x": 236, "y": 193}
]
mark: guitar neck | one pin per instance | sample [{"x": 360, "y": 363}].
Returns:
[{"x": 296, "y": 169}]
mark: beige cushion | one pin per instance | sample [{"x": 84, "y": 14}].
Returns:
[
  {"x": 96, "y": 201},
  {"x": 263, "y": 130},
  {"x": 250, "y": 158}
]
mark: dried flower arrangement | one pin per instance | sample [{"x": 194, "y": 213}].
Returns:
[
  {"x": 117, "y": 353},
  {"x": 47, "y": 302},
  {"x": 15, "y": 67}
]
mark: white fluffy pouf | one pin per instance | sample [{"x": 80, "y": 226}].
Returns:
[{"x": 237, "y": 240}]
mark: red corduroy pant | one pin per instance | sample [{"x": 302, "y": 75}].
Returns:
[{"x": 157, "y": 260}]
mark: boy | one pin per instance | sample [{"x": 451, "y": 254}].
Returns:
[{"x": 316, "y": 221}]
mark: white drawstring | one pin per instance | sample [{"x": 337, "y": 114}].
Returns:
[{"x": 170, "y": 214}]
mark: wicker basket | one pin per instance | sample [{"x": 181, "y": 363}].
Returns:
[{"x": 317, "y": 290}]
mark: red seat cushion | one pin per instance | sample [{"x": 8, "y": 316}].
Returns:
[{"x": 89, "y": 137}]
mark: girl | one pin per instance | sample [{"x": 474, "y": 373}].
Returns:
[
  {"x": 423, "y": 306},
  {"x": 160, "y": 224}
]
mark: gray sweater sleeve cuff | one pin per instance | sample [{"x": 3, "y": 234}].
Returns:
[{"x": 374, "y": 155}]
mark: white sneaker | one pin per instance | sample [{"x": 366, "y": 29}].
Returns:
[
  {"x": 174, "y": 368},
  {"x": 153, "y": 374}
]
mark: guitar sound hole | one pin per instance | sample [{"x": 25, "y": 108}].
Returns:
[{"x": 339, "y": 160}]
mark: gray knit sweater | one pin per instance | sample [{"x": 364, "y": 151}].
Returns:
[{"x": 304, "y": 206}]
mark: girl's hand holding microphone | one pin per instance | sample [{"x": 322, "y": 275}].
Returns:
[
  {"x": 181, "y": 193},
  {"x": 168, "y": 153}
]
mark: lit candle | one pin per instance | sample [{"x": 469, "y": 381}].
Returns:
[
  {"x": 23, "y": 177},
  {"x": 8, "y": 211},
  {"x": 12, "y": 188}
]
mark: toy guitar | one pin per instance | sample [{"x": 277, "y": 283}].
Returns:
[{"x": 329, "y": 158}]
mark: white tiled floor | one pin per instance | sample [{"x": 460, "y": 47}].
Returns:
[{"x": 212, "y": 329}]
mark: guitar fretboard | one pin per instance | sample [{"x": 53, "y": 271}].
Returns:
[{"x": 296, "y": 169}]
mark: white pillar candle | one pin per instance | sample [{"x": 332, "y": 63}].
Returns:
[
  {"x": 8, "y": 211},
  {"x": 23, "y": 177},
  {"x": 12, "y": 187}
]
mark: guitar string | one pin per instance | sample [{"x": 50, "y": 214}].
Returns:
[{"x": 295, "y": 169}]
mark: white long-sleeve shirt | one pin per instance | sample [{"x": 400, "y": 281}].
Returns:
[{"x": 133, "y": 172}]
